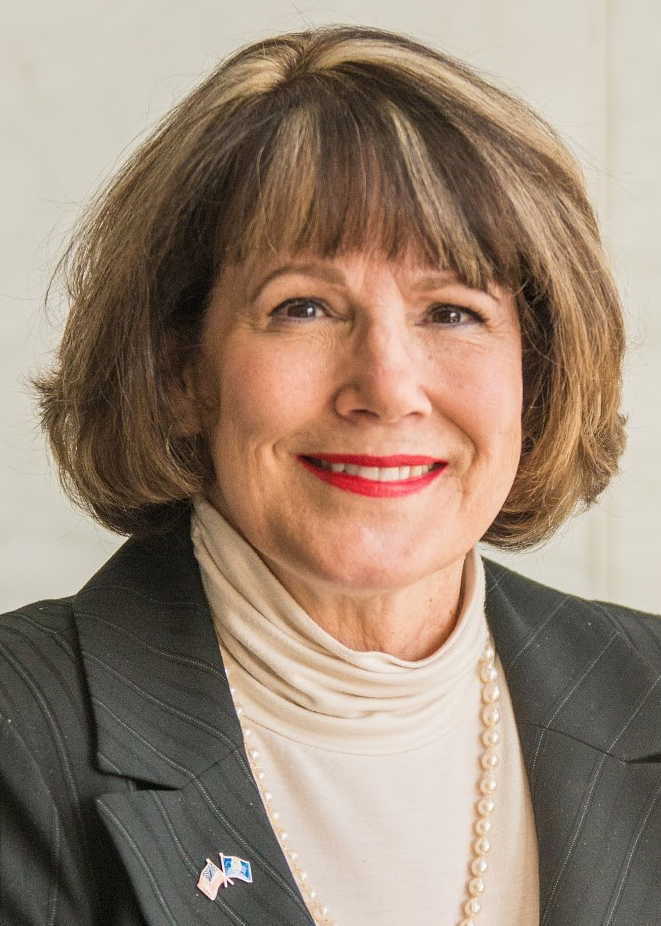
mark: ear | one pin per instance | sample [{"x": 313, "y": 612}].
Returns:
[
  {"x": 184, "y": 400},
  {"x": 182, "y": 389}
]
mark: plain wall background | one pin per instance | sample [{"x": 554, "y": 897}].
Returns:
[{"x": 82, "y": 81}]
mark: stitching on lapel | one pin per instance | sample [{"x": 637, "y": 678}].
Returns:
[
  {"x": 135, "y": 593},
  {"x": 184, "y": 715},
  {"x": 171, "y": 656},
  {"x": 145, "y": 742}
]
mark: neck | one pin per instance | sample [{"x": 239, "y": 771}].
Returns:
[{"x": 372, "y": 621}]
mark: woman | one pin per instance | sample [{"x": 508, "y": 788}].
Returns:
[{"x": 344, "y": 315}]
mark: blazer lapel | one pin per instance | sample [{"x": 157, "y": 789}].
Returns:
[
  {"x": 588, "y": 712},
  {"x": 165, "y": 720}
]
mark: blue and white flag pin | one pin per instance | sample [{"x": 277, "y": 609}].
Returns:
[{"x": 235, "y": 867}]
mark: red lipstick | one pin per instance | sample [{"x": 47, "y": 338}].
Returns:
[{"x": 372, "y": 487}]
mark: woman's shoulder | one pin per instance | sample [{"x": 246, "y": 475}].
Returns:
[
  {"x": 42, "y": 687},
  {"x": 507, "y": 590},
  {"x": 37, "y": 642}
]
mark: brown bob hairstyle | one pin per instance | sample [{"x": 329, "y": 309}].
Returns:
[{"x": 331, "y": 141}]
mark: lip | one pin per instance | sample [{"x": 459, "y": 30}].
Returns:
[{"x": 360, "y": 486}]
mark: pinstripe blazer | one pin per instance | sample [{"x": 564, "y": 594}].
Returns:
[{"x": 122, "y": 766}]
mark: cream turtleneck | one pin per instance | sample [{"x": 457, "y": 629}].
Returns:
[{"x": 372, "y": 760}]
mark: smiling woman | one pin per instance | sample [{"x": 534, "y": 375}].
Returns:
[
  {"x": 344, "y": 315},
  {"x": 382, "y": 370}
]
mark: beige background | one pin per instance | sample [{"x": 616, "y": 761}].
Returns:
[{"x": 83, "y": 79}]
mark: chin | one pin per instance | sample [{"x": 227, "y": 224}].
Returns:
[{"x": 371, "y": 574}]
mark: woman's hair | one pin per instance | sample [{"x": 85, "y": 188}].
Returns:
[{"x": 332, "y": 141}]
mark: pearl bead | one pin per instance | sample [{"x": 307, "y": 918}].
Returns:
[
  {"x": 491, "y": 693},
  {"x": 491, "y": 738},
  {"x": 479, "y": 865},
  {"x": 255, "y": 755},
  {"x": 482, "y": 845},
  {"x": 284, "y": 836},
  {"x": 488, "y": 654},
  {"x": 293, "y": 855},
  {"x": 482, "y": 827},
  {"x": 488, "y": 673},
  {"x": 232, "y": 690},
  {"x": 467, "y": 923},
  {"x": 476, "y": 886},
  {"x": 324, "y": 911},
  {"x": 275, "y": 816},
  {"x": 491, "y": 715},
  {"x": 485, "y": 806},
  {"x": 261, "y": 775},
  {"x": 303, "y": 875},
  {"x": 239, "y": 710},
  {"x": 312, "y": 895},
  {"x": 247, "y": 733},
  {"x": 268, "y": 797},
  {"x": 489, "y": 759},
  {"x": 488, "y": 784},
  {"x": 473, "y": 907}
]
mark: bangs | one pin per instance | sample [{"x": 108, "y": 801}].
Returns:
[{"x": 337, "y": 167}]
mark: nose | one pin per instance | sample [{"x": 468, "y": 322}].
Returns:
[{"x": 383, "y": 378}]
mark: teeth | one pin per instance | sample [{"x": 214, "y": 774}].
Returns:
[{"x": 377, "y": 474}]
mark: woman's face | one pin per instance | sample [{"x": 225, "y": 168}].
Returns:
[{"x": 330, "y": 360}]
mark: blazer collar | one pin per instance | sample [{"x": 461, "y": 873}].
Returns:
[{"x": 165, "y": 720}]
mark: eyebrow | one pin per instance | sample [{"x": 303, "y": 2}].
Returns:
[
  {"x": 336, "y": 277},
  {"x": 328, "y": 274}
]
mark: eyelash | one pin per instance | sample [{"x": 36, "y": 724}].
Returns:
[{"x": 447, "y": 307}]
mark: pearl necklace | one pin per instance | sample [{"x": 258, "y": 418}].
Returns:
[{"x": 488, "y": 763}]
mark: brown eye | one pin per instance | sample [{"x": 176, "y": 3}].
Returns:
[
  {"x": 452, "y": 315},
  {"x": 298, "y": 309}
]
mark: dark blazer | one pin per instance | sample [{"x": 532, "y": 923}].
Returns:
[{"x": 122, "y": 766}]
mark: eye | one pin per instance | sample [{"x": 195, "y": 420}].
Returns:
[
  {"x": 298, "y": 309},
  {"x": 447, "y": 314}
]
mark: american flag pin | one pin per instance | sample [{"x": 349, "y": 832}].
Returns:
[{"x": 212, "y": 877}]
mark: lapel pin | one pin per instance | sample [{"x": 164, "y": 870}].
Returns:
[{"x": 212, "y": 878}]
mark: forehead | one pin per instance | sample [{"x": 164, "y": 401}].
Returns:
[{"x": 413, "y": 271}]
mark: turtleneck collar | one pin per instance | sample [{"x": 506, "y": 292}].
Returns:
[{"x": 297, "y": 680}]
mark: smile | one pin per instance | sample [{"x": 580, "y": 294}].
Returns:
[{"x": 378, "y": 477}]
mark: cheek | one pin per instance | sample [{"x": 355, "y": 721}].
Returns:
[
  {"x": 488, "y": 393},
  {"x": 266, "y": 393}
]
